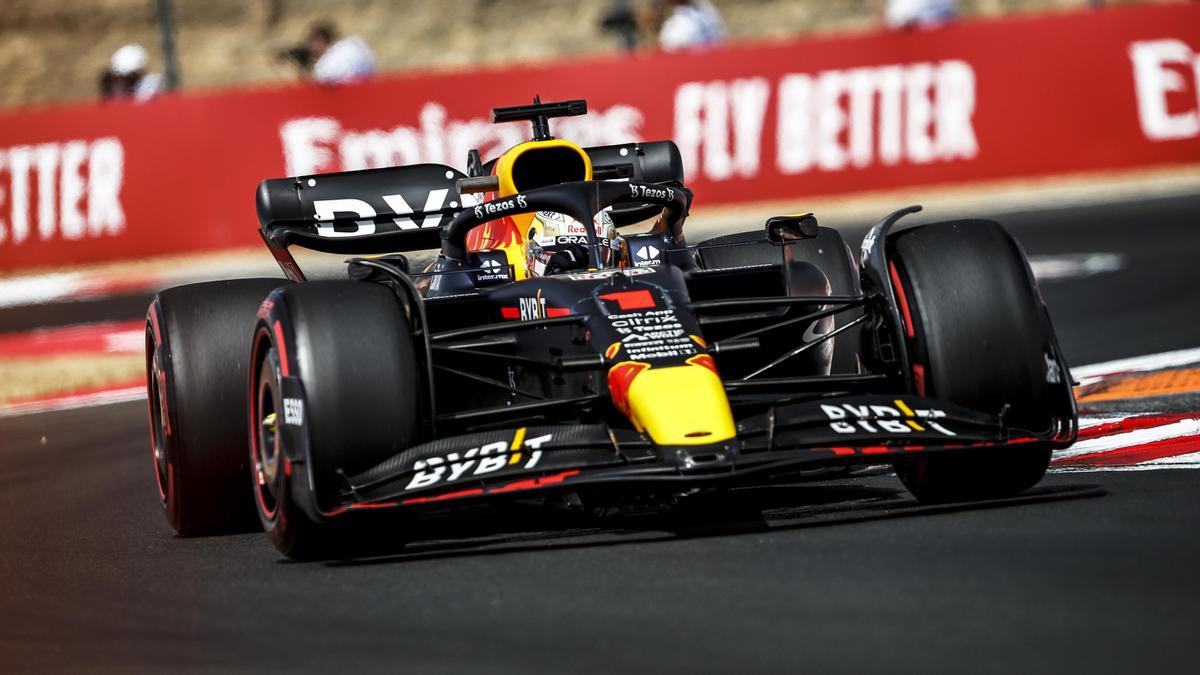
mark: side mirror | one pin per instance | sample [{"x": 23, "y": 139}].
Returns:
[
  {"x": 478, "y": 184},
  {"x": 785, "y": 229}
]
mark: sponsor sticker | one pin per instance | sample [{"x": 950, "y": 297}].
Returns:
[
  {"x": 647, "y": 255},
  {"x": 521, "y": 452},
  {"x": 499, "y": 206},
  {"x": 532, "y": 308},
  {"x": 897, "y": 419},
  {"x": 604, "y": 274},
  {"x": 637, "y": 190},
  {"x": 654, "y": 334},
  {"x": 293, "y": 412},
  {"x": 491, "y": 269}
]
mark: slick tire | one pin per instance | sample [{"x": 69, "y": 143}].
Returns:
[
  {"x": 197, "y": 365},
  {"x": 827, "y": 251},
  {"x": 350, "y": 348},
  {"x": 977, "y": 337}
]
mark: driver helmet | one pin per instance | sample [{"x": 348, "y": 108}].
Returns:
[{"x": 559, "y": 243}]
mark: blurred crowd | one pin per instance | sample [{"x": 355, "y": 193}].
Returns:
[
  {"x": 326, "y": 55},
  {"x": 674, "y": 25},
  {"x": 127, "y": 76},
  {"x": 671, "y": 25}
]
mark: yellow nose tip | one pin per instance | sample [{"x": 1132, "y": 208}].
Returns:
[{"x": 681, "y": 405}]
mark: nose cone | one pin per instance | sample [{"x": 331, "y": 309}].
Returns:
[{"x": 674, "y": 405}]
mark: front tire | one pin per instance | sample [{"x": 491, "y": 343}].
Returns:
[
  {"x": 350, "y": 355},
  {"x": 977, "y": 337}
]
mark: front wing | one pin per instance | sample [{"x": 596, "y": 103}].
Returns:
[{"x": 861, "y": 429}]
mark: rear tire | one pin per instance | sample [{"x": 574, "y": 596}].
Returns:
[
  {"x": 355, "y": 361},
  {"x": 196, "y": 370},
  {"x": 978, "y": 339}
]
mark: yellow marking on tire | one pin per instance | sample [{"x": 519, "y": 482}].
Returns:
[
  {"x": 914, "y": 425},
  {"x": 518, "y": 439},
  {"x": 514, "y": 458}
]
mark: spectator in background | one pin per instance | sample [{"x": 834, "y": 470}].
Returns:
[
  {"x": 334, "y": 60},
  {"x": 691, "y": 24},
  {"x": 622, "y": 21},
  {"x": 902, "y": 14},
  {"x": 126, "y": 76}
]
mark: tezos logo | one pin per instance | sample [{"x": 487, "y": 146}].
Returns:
[
  {"x": 500, "y": 206},
  {"x": 650, "y": 191}
]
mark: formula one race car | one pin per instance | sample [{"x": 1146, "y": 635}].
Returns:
[{"x": 544, "y": 353}]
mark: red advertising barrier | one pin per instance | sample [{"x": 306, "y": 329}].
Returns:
[{"x": 1024, "y": 96}]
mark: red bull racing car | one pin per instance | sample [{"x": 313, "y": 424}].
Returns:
[{"x": 552, "y": 349}]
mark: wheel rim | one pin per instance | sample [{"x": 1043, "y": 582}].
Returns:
[
  {"x": 267, "y": 455},
  {"x": 159, "y": 426}
]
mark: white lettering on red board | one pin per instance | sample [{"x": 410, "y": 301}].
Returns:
[
  {"x": 1162, "y": 68},
  {"x": 66, "y": 191},
  {"x": 321, "y": 144},
  {"x": 829, "y": 121}
]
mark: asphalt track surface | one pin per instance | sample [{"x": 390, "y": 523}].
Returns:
[{"x": 1090, "y": 571}]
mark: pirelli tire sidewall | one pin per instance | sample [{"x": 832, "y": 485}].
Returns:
[
  {"x": 978, "y": 336},
  {"x": 348, "y": 384},
  {"x": 196, "y": 367}
]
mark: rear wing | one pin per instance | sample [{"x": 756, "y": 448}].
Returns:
[
  {"x": 404, "y": 208},
  {"x": 399, "y": 208}
]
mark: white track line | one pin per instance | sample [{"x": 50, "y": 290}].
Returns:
[
  {"x": 1152, "y": 465},
  {"x": 1187, "y": 427},
  {"x": 42, "y": 288},
  {"x": 1188, "y": 461},
  {"x": 1087, "y": 421},
  {"x": 1049, "y": 268}
]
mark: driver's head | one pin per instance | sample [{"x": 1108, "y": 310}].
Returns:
[{"x": 558, "y": 243}]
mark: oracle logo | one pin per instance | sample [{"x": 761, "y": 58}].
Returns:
[
  {"x": 67, "y": 191},
  {"x": 1168, "y": 104}
]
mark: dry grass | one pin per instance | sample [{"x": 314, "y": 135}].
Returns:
[{"x": 36, "y": 377}]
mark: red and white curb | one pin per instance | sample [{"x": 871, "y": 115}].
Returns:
[
  {"x": 1133, "y": 443},
  {"x": 106, "y": 338},
  {"x": 110, "y": 337}
]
